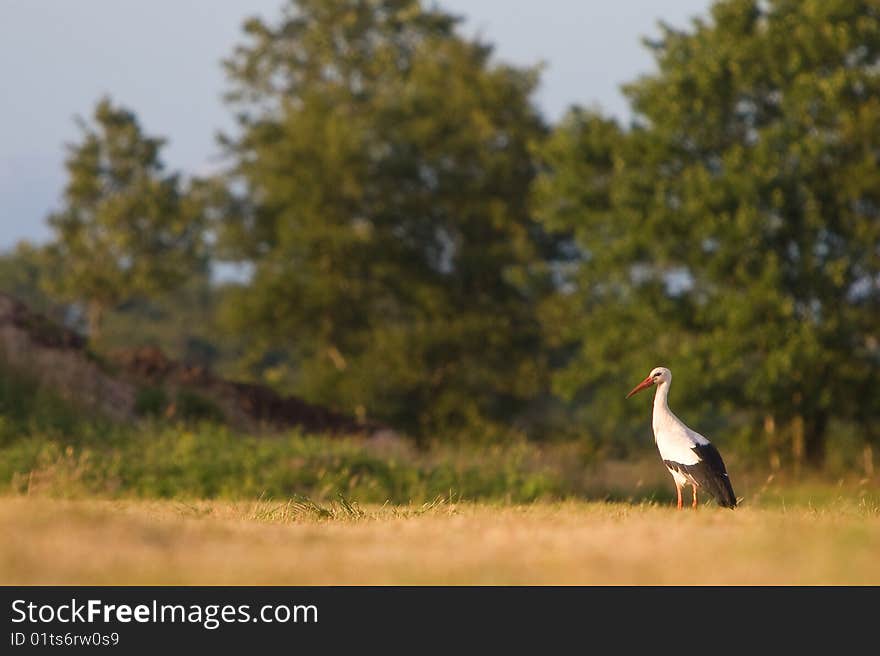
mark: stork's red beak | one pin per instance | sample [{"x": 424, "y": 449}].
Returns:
[{"x": 638, "y": 388}]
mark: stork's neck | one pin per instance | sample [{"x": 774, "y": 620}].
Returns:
[{"x": 661, "y": 407}]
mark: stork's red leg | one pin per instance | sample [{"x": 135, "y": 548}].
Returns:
[
  {"x": 695, "y": 497},
  {"x": 678, "y": 489}
]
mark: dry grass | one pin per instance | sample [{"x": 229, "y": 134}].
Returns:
[{"x": 50, "y": 541}]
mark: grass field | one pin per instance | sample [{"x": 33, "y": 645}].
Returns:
[{"x": 52, "y": 541}]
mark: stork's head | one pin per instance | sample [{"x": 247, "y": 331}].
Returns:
[{"x": 658, "y": 376}]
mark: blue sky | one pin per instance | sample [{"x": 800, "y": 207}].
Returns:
[{"x": 161, "y": 59}]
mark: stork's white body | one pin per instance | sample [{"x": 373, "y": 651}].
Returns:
[{"x": 674, "y": 439}]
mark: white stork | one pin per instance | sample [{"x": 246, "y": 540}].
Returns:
[{"x": 689, "y": 457}]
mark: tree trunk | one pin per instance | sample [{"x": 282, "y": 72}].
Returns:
[
  {"x": 871, "y": 434},
  {"x": 814, "y": 440},
  {"x": 95, "y": 317},
  {"x": 772, "y": 443},
  {"x": 797, "y": 443}
]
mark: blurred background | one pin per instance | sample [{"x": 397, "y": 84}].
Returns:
[{"x": 401, "y": 248}]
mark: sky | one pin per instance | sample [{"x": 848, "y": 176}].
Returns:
[{"x": 162, "y": 60}]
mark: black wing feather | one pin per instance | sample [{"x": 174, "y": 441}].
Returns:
[{"x": 709, "y": 473}]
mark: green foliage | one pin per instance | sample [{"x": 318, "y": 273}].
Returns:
[
  {"x": 27, "y": 407},
  {"x": 731, "y": 233},
  {"x": 395, "y": 261},
  {"x": 127, "y": 228},
  {"x": 23, "y": 276},
  {"x": 193, "y": 407},
  {"x": 156, "y": 461},
  {"x": 182, "y": 323},
  {"x": 187, "y": 406},
  {"x": 150, "y": 402}
]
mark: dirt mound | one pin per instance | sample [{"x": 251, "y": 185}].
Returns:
[
  {"x": 142, "y": 379},
  {"x": 40, "y": 329},
  {"x": 149, "y": 364},
  {"x": 241, "y": 403},
  {"x": 57, "y": 358}
]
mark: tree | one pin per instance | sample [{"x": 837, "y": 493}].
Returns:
[
  {"x": 387, "y": 161},
  {"x": 620, "y": 306},
  {"x": 22, "y": 275},
  {"x": 127, "y": 228},
  {"x": 742, "y": 217}
]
